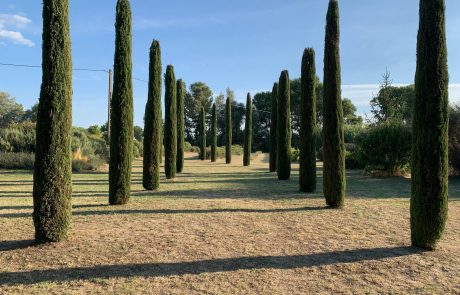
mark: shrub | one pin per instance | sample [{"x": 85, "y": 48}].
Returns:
[
  {"x": 18, "y": 139},
  {"x": 295, "y": 155},
  {"x": 92, "y": 164},
  {"x": 17, "y": 160}
]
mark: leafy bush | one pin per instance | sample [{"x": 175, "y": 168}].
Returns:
[
  {"x": 91, "y": 164},
  {"x": 454, "y": 140},
  {"x": 295, "y": 155},
  {"x": 386, "y": 148},
  {"x": 138, "y": 149},
  {"x": 18, "y": 139},
  {"x": 17, "y": 160}
]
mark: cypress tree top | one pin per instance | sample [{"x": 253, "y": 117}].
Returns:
[
  {"x": 170, "y": 123},
  {"x": 283, "y": 132}
]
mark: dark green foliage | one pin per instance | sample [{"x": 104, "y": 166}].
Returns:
[
  {"x": 214, "y": 134},
  {"x": 18, "y": 138},
  {"x": 180, "y": 125},
  {"x": 454, "y": 139},
  {"x": 122, "y": 129},
  {"x": 283, "y": 132},
  {"x": 153, "y": 122},
  {"x": 52, "y": 189},
  {"x": 248, "y": 132},
  {"x": 429, "y": 199},
  {"x": 170, "y": 123},
  {"x": 307, "y": 160},
  {"x": 228, "y": 131},
  {"x": 17, "y": 161},
  {"x": 334, "y": 181},
  {"x": 273, "y": 124},
  {"x": 202, "y": 134}
]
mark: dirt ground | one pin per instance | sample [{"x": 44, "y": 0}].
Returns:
[{"x": 226, "y": 229}]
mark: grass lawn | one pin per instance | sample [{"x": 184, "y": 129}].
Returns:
[{"x": 226, "y": 229}]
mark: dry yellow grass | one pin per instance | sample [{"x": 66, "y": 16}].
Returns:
[{"x": 226, "y": 229}]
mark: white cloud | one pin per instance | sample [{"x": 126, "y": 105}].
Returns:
[{"x": 9, "y": 23}]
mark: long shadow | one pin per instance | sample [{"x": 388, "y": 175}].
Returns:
[
  {"x": 25, "y": 207},
  {"x": 15, "y": 245},
  {"x": 149, "y": 270},
  {"x": 171, "y": 211}
]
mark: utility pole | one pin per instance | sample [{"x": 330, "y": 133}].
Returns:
[{"x": 109, "y": 109}]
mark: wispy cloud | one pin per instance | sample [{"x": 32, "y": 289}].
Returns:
[{"x": 9, "y": 25}]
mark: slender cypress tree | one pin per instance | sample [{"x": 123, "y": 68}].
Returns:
[
  {"x": 214, "y": 134},
  {"x": 333, "y": 141},
  {"x": 180, "y": 125},
  {"x": 170, "y": 123},
  {"x": 273, "y": 127},
  {"x": 202, "y": 134},
  {"x": 429, "y": 201},
  {"x": 248, "y": 132},
  {"x": 307, "y": 173},
  {"x": 52, "y": 191},
  {"x": 153, "y": 122},
  {"x": 228, "y": 131},
  {"x": 283, "y": 132},
  {"x": 122, "y": 129}
]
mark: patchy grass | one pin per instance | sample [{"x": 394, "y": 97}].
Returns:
[{"x": 226, "y": 229}]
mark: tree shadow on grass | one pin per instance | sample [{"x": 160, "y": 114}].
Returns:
[
  {"x": 15, "y": 245},
  {"x": 151, "y": 270}
]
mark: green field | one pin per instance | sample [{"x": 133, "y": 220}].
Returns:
[{"x": 226, "y": 229}]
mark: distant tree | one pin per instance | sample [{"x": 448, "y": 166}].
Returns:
[
  {"x": 180, "y": 125},
  {"x": 261, "y": 121},
  {"x": 429, "y": 199},
  {"x": 248, "y": 132},
  {"x": 52, "y": 187},
  {"x": 228, "y": 130},
  {"x": 31, "y": 114},
  {"x": 283, "y": 132},
  {"x": 273, "y": 124},
  {"x": 138, "y": 133},
  {"x": 199, "y": 95},
  {"x": 11, "y": 112},
  {"x": 214, "y": 134},
  {"x": 349, "y": 113},
  {"x": 170, "y": 130},
  {"x": 202, "y": 134},
  {"x": 122, "y": 129},
  {"x": 94, "y": 130}
]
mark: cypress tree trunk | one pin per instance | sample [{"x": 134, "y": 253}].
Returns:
[
  {"x": 202, "y": 134},
  {"x": 180, "y": 125},
  {"x": 333, "y": 141},
  {"x": 170, "y": 123},
  {"x": 273, "y": 127},
  {"x": 228, "y": 131},
  {"x": 248, "y": 132},
  {"x": 307, "y": 161},
  {"x": 283, "y": 132},
  {"x": 429, "y": 201},
  {"x": 214, "y": 134},
  {"x": 122, "y": 133},
  {"x": 153, "y": 122},
  {"x": 52, "y": 191}
]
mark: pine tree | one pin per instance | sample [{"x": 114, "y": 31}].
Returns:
[
  {"x": 122, "y": 129},
  {"x": 228, "y": 131},
  {"x": 52, "y": 191},
  {"x": 153, "y": 122},
  {"x": 429, "y": 201},
  {"x": 248, "y": 132},
  {"x": 333, "y": 140},
  {"x": 273, "y": 127},
  {"x": 214, "y": 134},
  {"x": 170, "y": 123},
  {"x": 283, "y": 132},
  {"x": 307, "y": 161},
  {"x": 202, "y": 134},
  {"x": 180, "y": 125}
]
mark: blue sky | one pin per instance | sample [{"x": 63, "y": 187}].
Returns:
[{"x": 239, "y": 44}]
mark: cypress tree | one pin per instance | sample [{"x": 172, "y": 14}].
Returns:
[
  {"x": 333, "y": 141},
  {"x": 153, "y": 122},
  {"x": 429, "y": 200},
  {"x": 52, "y": 191},
  {"x": 273, "y": 115},
  {"x": 214, "y": 134},
  {"x": 180, "y": 125},
  {"x": 283, "y": 132},
  {"x": 248, "y": 132},
  {"x": 170, "y": 123},
  {"x": 202, "y": 134},
  {"x": 122, "y": 129},
  {"x": 228, "y": 131},
  {"x": 307, "y": 161}
]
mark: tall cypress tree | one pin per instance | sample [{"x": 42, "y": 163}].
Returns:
[
  {"x": 333, "y": 141},
  {"x": 202, "y": 134},
  {"x": 273, "y": 127},
  {"x": 228, "y": 131},
  {"x": 214, "y": 134},
  {"x": 180, "y": 125},
  {"x": 52, "y": 191},
  {"x": 248, "y": 132},
  {"x": 283, "y": 132},
  {"x": 429, "y": 201},
  {"x": 307, "y": 161},
  {"x": 153, "y": 122},
  {"x": 122, "y": 129},
  {"x": 170, "y": 123}
]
